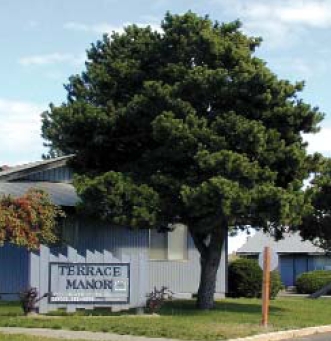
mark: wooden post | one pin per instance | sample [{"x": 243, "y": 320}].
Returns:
[{"x": 266, "y": 286}]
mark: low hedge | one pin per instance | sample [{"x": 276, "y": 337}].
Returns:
[
  {"x": 245, "y": 279},
  {"x": 310, "y": 282}
]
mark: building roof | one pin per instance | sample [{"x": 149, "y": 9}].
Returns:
[
  {"x": 4, "y": 168},
  {"x": 18, "y": 172},
  {"x": 291, "y": 243},
  {"x": 62, "y": 194},
  {"x": 13, "y": 181}
]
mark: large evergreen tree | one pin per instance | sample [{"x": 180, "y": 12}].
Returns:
[{"x": 186, "y": 125}]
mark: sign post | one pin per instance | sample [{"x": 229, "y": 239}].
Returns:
[
  {"x": 266, "y": 286},
  {"x": 268, "y": 261}
]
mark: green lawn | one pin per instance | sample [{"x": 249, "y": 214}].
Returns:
[{"x": 231, "y": 318}]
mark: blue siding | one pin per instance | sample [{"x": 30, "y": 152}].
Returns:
[
  {"x": 300, "y": 265},
  {"x": 95, "y": 237},
  {"x": 311, "y": 263},
  {"x": 14, "y": 263},
  {"x": 292, "y": 266},
  {"x": 61, "y": 174}
]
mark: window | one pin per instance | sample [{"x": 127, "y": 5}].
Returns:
[
  {"x": 168, "y": 245},
  {"x": 69, "y": 231}
]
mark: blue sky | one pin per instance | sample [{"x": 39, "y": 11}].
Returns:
[{"x": 43, "y": 42}]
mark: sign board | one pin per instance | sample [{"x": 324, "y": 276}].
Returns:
[
  {"x": 273, "y": 260},
  {"x": 89, "y": 283}
]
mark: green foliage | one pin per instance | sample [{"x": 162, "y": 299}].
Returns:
[
  {"x": 310, "y": 282},
  {"x": 186, "y": 125},
  {"x": 29, "y": 220},
  {"x": 119, "y": 199},
  {"x": 316, "y": 222},
  {"x": 245, "y": 279},
  {"x": 195, "y": 118},
  {"x": 276, "y": 284}
]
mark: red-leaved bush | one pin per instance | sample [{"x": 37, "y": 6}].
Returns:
[{"x": 28, "y": 221}]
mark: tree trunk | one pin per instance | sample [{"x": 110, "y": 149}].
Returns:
[
  {"x": 210, "y": 256},
  {"x": 323, "y": 291},
  {"x": 207, "y": 284}
]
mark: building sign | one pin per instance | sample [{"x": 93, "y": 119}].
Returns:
[{"x": 89, "y": 283}]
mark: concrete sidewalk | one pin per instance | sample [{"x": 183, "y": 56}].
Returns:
[
  {"x": 76, "y": 335},
  {"x": 100, "y": 336}
]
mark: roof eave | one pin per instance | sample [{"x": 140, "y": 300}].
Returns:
[{"x": 13, "y": 174}]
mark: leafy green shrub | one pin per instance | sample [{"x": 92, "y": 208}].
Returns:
[
  {"x": 245, "y": 279},
  {"x": 310, "y": 282},
  {"x": 276, "y": 284}
]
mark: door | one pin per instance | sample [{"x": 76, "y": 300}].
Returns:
[
  {"x": 291, "y": 267},
  {"x": 286, "y": 270}
]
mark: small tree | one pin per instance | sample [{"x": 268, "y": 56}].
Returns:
[
  {"x": 29, "y": 220},
  {"x": 186, "y": 125},
  {"x": 316, "y": 223}
]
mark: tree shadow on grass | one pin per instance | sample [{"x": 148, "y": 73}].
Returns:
[{"x": 188, "y": 307}]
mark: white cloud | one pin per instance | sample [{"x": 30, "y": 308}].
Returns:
[
  {"x": 95, "y": 28},
  {"x": 274, "y": 34},
  {"x": 20, "y": 132},
  {"x": 237, "y": 241},
  {"x": 320, "y": 142},
  {"x": 309, "y": 13},
  {"x": 103, "y": 27},
  {"x": 52, "y": 58},
  {"x": 279, "y": 22}
]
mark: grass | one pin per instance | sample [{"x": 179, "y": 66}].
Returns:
[{"x": 231, "y": 318}]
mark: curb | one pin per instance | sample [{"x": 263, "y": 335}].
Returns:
[
  {"x": 286, "y": 334},
  {"x": 101, "y": 336}
]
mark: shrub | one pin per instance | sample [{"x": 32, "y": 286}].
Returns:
[
  {"x": 310, "y": 282},
  {"x": 29, "y": 298},
  {"x": 157, "y": 298},
  {"x": 276, "y": 284},
  {"x": 245, "y": 279},
  {"x": 29, "y": 220}
]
